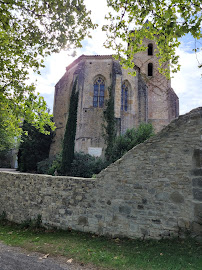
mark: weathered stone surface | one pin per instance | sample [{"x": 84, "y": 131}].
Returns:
[
  {"x": 196, "y": 172},
  {"x": 197, "y": 229},
  {"x": 197, "y": 158},
  {"x": 197, "y": 182},
  {"x": 149, "y": 193},
  {"x": 83, "y": 221},
  {"x": 197, "y": 193},
  {"x": 162, "y": 196},
  {"x": 124, "y": 209},
  {"x": 198, "y": 212},
  {"x": 177, "y": 197}
]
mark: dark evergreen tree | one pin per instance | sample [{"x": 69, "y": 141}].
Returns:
[
  {"x": 70, "y": 133},
  {"x": 109, "y": 125},
  {"x": 34, "y": 147}
]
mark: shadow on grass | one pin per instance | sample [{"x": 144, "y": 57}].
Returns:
[{"x": 106, "y": 252}]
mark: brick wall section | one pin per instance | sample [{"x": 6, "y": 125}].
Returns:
[{"x": 153, "y": 191}]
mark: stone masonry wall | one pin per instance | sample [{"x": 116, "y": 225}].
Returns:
[{"x": 153, "y": 191}]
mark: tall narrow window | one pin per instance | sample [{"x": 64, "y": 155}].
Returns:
[
  {"x": 124, "y": 96},
  {"x": 150, "y": 69},
  {"x": 150, "y": 49},
  {"x": 99, "y": 93}
]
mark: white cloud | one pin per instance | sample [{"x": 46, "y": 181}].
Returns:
[{"x": 188, "y": 82}]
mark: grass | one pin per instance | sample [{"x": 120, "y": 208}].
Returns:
[{"x": 106, "y": 252}]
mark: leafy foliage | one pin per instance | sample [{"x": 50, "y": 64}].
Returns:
[
  {"x": 7, "y": 129},
  {"x": 163, "y": 21},
  {"x": 70, "y": 133},
  {"x": 29, "y": 31},
  {"x": 109, "y": 124},
  {"x": 50, "y": 165},
  {"x": 131, "y": 138},
  {"x": 5, "y": 158},
  {"x": 44, "y": 165},
  {"x": 33, "y": 148},
  {"x": 85, "y": 165}
]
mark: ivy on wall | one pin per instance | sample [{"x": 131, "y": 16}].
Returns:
[
  {"x": 117, "y": 146},
  {"x": 70, "y": 133}
]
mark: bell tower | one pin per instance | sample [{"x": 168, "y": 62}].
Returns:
[{"x": 163, "y": 103}]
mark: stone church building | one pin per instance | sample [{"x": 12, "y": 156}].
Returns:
[{"x": 146, "y": 97}]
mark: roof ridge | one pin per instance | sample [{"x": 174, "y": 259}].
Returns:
[{"x": 83, "y": 56}]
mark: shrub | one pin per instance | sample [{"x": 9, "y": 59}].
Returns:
[
  {"x": 5, "y": 159},
  {"x": 55, "y": 165},
  {"x": 49, "y": 165},
  {"x": 131, "y": 138},
  {"x": 85, "y": 165},
  {"x": 44, "y": 165}
]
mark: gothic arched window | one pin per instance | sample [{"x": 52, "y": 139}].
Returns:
[
  {"x": 150, "y": 49},
  {"x": 99, "y": 93},
  {"x": 150, "y": 69},
  {"x": 124, "y": 96}
]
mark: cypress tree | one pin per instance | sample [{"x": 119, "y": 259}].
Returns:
[
  {"x": 70, "y": 133},
  {"x": 110, "y": 126}
]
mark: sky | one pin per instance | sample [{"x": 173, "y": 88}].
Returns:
[{"x": 187, "y": 83}]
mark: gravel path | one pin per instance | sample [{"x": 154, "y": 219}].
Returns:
[{"x": 14, "y": 258}]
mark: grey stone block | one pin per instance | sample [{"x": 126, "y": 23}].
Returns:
[
  {"x": 162, "y": 196},
  {"x": 197, "y": 193},
  {"x": 124, "y": 209},
  {"x": 198, "y": 212},
  {"x": 196, "y": 172},
  {"x": 83, "y": 221},
  {"x": 197, "y": 181},
  {"x": 176, "y": 197}
]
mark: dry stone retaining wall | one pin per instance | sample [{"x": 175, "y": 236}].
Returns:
[{"x": 153, "y": 191}]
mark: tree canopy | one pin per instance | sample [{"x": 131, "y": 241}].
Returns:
[
  {"x": 34, "y": 147},
  {"x": 164, "y": 21},
  {"x": 29, "y": 31}
]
